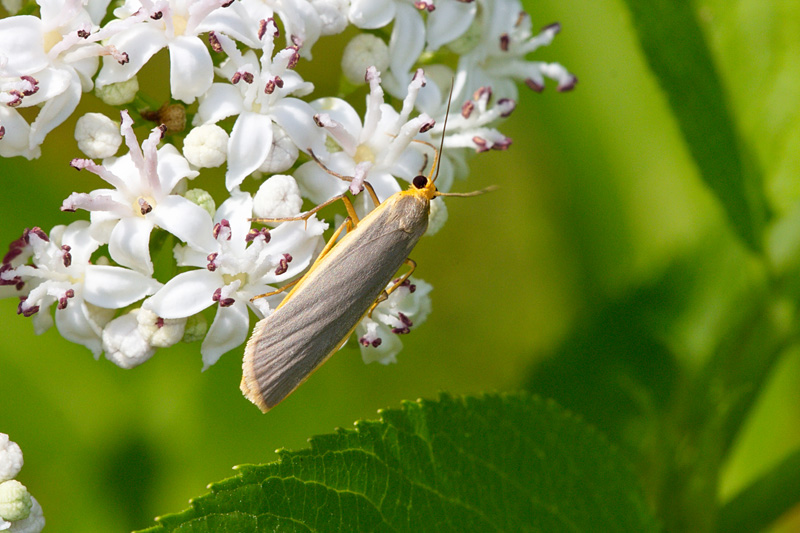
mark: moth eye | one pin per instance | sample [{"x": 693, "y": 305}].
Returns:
[{"x": 420, "y": 182}]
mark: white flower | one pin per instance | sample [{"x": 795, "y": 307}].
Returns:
[
  {"x": 33, "y": 524},
  {"x": 445, "y": 21},
  {"x": 60, "y": 273},
  {"x": 206, "y": 146},
  {"x": 118, "y": 94},
  {"x": 302, "y": 21},
  {"x": 377, "y": 150},
  {"x": 97, "y": 135},
  {"x": 15, "y": 501},
  {"x": 143, "y": 179},
  {"x": 498, "y": 59},
  {"x": 145, "y": 27},
  {"x": 363, "y": 50},
  {"x": 123, "y": 341},
  {"x": 241, "y": 263},
  {"x": 47, "y": 62},
  {"x": 406, "y": 307},
  {"x": 10, "y": 458},
  {"x": 332, "y": 15},
  {"x": 277, "y": 197},
  {"x": 259, "y": 94}
]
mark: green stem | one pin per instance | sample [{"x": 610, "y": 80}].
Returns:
[{"x": 760, "y": 504}]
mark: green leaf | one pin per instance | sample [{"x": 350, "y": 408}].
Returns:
[
  {"x": 508, "y": 462},
  {"x": 675, "y": 48}
]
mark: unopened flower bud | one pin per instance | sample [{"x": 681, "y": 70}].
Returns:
[
  {"x": 97, "y": 135},
  {"x": 118, "y": 93},
  {"x": 278, "y": 197},
  {"x": 206, "y": 146},
  {"x": 363, "y": 51},
  {"x": 160, "y": 332},
  {"x": 123, "y": 344},
  {"x": 282, "y": 154},
  {"x": 196, "y": 328},
  {"x": 15, "y": 501},
  {"x": 10, "y": 458},
  {"x": 203, "y": 199}
]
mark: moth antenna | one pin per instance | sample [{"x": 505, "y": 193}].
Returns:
[{"x": 444, "y": 129}]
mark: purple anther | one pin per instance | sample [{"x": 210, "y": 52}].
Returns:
[
  {"x": 504, "y": 41},
  {"x": 66, "y": 256},
  {"x": 405, "y": 320},
  {"x": 253, "y": 234},
  {"x": 157, "y": 15},
  {"x": 122, "y": 58},
  {"x": 212, "y": 265},
  {"x": 269, "y": 88},
  {"x": 295, "y": 56},
  {"x": 218, "y": 228},
  {"x": 467, "y": 108},
  {"x": 83, "y": 34},
  {"x": 159, "y": 322},
  {"x": 363, "y": 341},
  {"x": 568, "y": 85},
  {"x": 2, "y": 132},
  {"x": 484, "y": 92},
  {"x": 508, "y": 105},
  {"x": 555, "y": 27},
  {"x": 480, "y": 144},
  {"x": 426, "y": 126},
  {"x": 163, "y": 129},
  {"x": 17, "y": 98},
  {"x": 226, "y": 4},
  {"x": 36, "y": 230},
  {"x": 377, "y": 342},
  {"x": 502, "y": 145},
  {"x": 213, "y": 41},
  {"x": 401, "y": 331},
  {"x": 62, "y": 302},
  {"x": 283, "y": 264},
  {"x": 538, "y": 87},
  {"x": 26, "y": 312},
  {"x": 144, "y": 206}
]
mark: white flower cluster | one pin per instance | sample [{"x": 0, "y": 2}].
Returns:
[
  {"x": 19, "y": 511},
  {"x": 233, "y": 77}
]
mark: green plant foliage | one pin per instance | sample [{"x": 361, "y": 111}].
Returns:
[
  {"x": 677, "y": 53},
  {"x": 510, "y": 462}
]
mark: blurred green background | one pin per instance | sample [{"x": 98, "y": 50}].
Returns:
[{"x": 599, "y": 199}]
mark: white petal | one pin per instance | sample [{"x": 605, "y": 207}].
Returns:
[
  {"x": 248, "y": 146},
  {"x": 341, "y": 112},
  {"x": 115, "y": 287},
  {"x": 297, "y": 118},
  {"x": 15, "y": 141},
  {"x": 54, "y": 112},
  {"x": 22, "y": 45},
  {"x": 186, "y": 220},
  {"x": 129, "y": 244},
  {"x": 140, "y": 42},
  {"x": 234, "y": 22},
  {"x": 371, "y": 14},
  {"x": 172, "y": 167},
  {"x": 318, "y": 185},
  {"x": 407, "y": 40},
  {"x": 74, "y": 324},
  {"x": 228, "y": 331},
  {"x": 186, "y": 294},
  {"x": 191, "y": 71},
  {"x": 220, "y": 101},
  {"x": 300, "y": 238},
  {"x": 449, "y": 21}
]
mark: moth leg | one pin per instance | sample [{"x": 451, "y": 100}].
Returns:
[
  {"x": 342, "y": 177},
  {"x": 276, "y": 291},
  {"x": 402, "y": 279}
]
